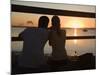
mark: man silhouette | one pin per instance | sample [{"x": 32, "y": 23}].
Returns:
[{"x": 34, "y": 42}]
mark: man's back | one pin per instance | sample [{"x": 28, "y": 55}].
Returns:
[{"x": 34, "y": 41}]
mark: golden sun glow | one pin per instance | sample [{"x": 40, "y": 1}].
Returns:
[{"x": 77, "y": 24}]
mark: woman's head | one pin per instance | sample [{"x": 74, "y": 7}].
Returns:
[
  {"x": 43, "y": 22},
  {"x": 56, "y": 24},
  {"x": 55, "y": 21}
]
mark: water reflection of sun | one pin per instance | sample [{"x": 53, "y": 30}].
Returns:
[
  {"x": 75, "y": 25},
  {"x": 75, "y": 34}
]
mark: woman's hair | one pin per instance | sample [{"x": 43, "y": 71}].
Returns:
[
  {"x": 56, "y": 24},
  {"x": 43, "y": 22}
]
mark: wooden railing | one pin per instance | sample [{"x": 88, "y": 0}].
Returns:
[
  {"x": 40, "y": 10},
  {"x": 67, "y": 38}
]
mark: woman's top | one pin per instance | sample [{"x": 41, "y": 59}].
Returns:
[{"x": 57, "y": 41}]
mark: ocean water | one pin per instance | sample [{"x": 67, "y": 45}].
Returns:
[{"x": 81, "y": 46}]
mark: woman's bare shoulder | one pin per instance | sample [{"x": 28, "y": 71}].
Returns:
[{"x": 63, "y": 31}]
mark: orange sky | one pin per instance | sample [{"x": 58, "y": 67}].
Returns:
[{"x": 20, "y": 19}]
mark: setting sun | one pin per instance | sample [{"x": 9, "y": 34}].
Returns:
[{"x": 75, "y": 23}]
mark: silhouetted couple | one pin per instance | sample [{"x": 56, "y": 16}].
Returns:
[{"x": 35, "y": 40}]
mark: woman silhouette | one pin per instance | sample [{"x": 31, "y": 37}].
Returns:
[{"x": 57, "y": 40}]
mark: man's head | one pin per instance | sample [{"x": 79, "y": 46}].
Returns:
[{"x": 43, "y": 22}]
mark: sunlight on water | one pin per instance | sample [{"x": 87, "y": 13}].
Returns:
[
  {"x": 73, "y": 47},
  {"x": 75, "y": 34}
]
